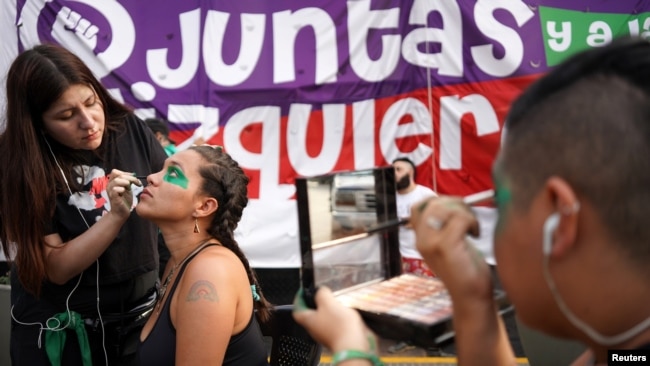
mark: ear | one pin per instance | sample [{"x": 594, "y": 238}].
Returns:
[
  {"x": 206, "y": 207},
  {"x": 566, "y": 205}
]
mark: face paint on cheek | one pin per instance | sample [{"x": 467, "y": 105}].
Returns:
[
  {"x": 176, "y": 176},
  {"x": 503, "y": 196}
]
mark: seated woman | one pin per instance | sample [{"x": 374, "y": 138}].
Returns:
[{"x": 205, "y": 311}]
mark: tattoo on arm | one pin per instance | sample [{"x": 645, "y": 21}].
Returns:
[
  {"x": 202, "y": 290},
  {"x": 477, "y": 256}
]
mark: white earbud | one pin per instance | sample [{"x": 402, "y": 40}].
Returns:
[{"x": 549, "y": 228}]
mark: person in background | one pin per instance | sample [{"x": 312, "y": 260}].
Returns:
[
  {"x": 210, "y": 298},
  {"x": 161, "y": 130},
  {"x": 408, "y": 193},
  {"x": 83, "y": 260},
  {"x": 571, "y": 247}
]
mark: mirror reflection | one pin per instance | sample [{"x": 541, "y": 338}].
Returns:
[
  {"x": 347, "y": 265},
  {"x": 342, "y": 205}
]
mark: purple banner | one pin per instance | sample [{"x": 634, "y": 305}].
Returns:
[{"x": 305, "y": 87}]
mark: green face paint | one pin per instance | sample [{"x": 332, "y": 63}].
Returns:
[
  {"x": 502, "y": 198},
  {"x": 175, "y": 176}
]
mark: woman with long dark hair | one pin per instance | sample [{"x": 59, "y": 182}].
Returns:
[
  {"x": 81, "y": 258},
  {"x": 205, "y": 314}
]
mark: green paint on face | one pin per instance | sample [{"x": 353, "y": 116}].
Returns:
[
  {"x": 175, "y": 176},
  {"x": 502, "y": 198}
]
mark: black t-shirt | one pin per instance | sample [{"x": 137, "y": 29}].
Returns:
[{"x": 134, "y": 250}]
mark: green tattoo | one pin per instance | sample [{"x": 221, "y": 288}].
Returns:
[
  {"x": 175, "y": 176},
  {"x": 477, "y": 256}
]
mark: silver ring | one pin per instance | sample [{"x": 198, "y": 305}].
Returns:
[{"x": 434, "y": 223}]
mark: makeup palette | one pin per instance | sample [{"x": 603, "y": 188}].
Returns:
[
  {"x": 407, "y": 296},
  {"x": 361, "y": 263}
]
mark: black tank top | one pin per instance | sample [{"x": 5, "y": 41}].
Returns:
[{"x": 245, "y": 348}]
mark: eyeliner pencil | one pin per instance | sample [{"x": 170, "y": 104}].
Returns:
[
  {"x": 480, "y": 197},
  {"x": 472, "y": 199}
]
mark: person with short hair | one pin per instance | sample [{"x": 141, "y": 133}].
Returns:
[
  {"x": 572, "y": 239},
  {"x": 161, "y": 130},
  {"x": 408, "y": 193}
]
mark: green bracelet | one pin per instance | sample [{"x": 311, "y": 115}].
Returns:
[{"x": 352, "y": 354}]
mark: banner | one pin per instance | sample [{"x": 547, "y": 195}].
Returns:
[{"x": 306, "y": 87}]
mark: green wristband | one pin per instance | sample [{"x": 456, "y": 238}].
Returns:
[{"x": 352, "y": 354}]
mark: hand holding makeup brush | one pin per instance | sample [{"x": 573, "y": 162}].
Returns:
[
  {"x": 441, "y": 226},
  {"x": 119, "y": 192}
]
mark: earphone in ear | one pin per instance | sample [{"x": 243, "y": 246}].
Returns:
[{"x": 549, "y": 228}]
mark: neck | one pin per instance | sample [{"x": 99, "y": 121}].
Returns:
[
  {"x": 594, "y": 330},
  {"x": 179, "y": 238},
  {"x": 178, "y": 255}
]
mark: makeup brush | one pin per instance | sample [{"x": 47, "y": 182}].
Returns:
[{"x": 471, "y": 200}]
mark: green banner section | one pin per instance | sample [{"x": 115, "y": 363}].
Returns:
[{"x": 566, "y": 32}]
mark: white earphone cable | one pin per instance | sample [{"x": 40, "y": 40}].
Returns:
[
  {"x": 574, "y": 319},
  {"x": 67, "y": 302}
]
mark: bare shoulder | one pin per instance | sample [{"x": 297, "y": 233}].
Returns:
[
  {"x": 217, "y": 254},
  {"x": 215, "y": 263},
  {"x": 215, "y": 275}
]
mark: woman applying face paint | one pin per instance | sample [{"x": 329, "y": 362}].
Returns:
[
  {"x": 82, "y": 258},
  {"x": 205, "y": 314}
]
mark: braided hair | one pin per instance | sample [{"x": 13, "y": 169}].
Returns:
[{"x": 224, "y": 180}]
